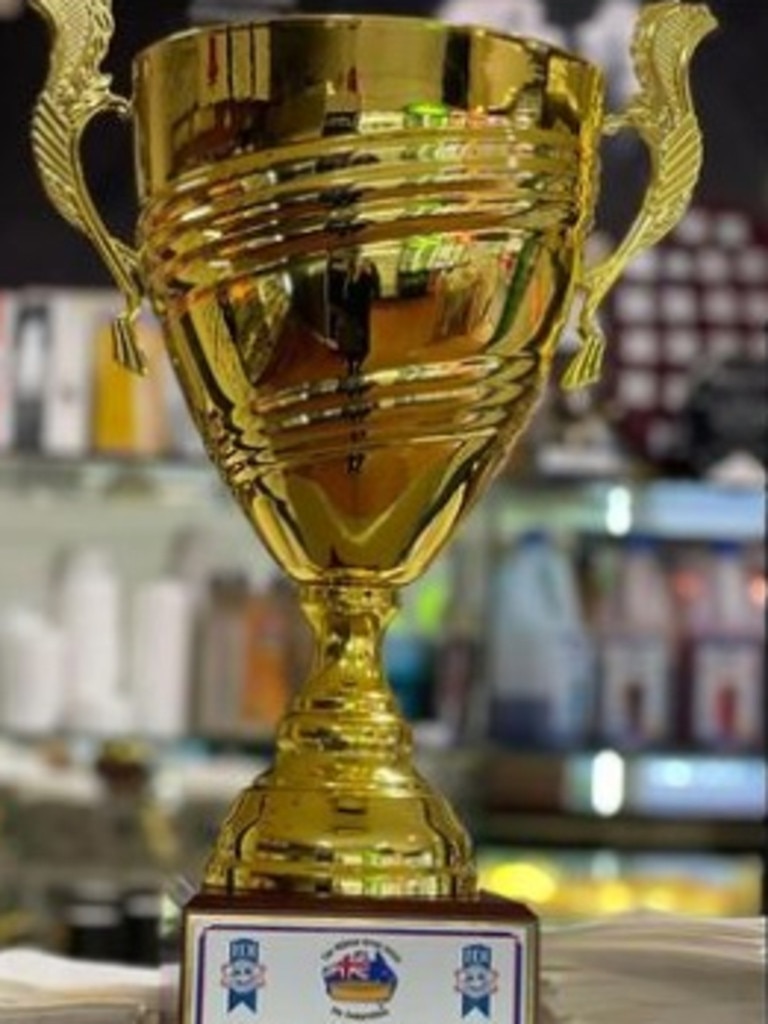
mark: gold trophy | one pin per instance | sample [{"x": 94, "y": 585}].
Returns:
[{"x": 363, "y": 236}]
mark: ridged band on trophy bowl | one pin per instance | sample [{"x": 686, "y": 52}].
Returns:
[{"x": 363, "y": 237}]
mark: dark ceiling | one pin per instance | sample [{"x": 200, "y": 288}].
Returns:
[{"x": 730, "y": 85}]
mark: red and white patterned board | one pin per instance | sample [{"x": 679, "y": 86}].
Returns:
[{"x": 695, "y": 300}]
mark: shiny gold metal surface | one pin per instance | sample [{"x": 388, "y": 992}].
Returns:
[
  {"x": 76, "y": 92},
  {"x": 662, "y": 113},
  {"x": 363, "y": 237}
]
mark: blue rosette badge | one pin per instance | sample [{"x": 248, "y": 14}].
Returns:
[
  {"x": 476, "y": 980},
  {"x": 242, "y": 976}
]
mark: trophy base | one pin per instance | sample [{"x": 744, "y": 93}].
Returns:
[{"x": 277, "y": 958}]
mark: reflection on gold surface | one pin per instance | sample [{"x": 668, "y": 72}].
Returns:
[{"x": 363, "y": 237}]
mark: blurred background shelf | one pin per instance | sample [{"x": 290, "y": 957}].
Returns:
[
  {"x": 136, "y": 505},
  {"x": 670, "y": 508},
  {"x": 647, "y": 834},
  {"x": 692, "y": 510},
  {"x": 129, "y": 477}
]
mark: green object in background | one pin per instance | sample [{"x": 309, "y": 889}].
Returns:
[{"x": 425, "y": 604}]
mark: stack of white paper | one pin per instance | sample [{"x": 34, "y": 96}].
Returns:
[
  {"x": 48, "y": 989},
  {"x": 655, "y": 970}
]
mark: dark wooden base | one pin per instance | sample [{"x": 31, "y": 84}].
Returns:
[{"x": 485, "y": 906}]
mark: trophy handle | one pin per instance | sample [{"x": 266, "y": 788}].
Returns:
[
  {"x": 664, "y": 41},
  {"x": 76, "y": 91}
]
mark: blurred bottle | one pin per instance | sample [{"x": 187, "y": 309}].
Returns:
[
  {"x": 73, "y": 315},
  {"x": 267, "y": 679},
  {"x": 409, "y": 664},
  {"x": 31, "y": 674},
  {"x": 724, "y": 634},
  {"x": 191, "y": 560},
  {"x": 129, "y": 412},
  {"x": 93, "y": 922},
  {"x": 184, "y": 439},
  {"x": 539, "y": 650},
  {"x": 458, "y": 658},
  {"x": 222, "y": 657},
  {"x": 141, "y": 927},
  {"x": 300, "y": 644},
  {"x": 635, "y": 625},
  {"x": 457, "y": 668},
  {"x": 246, "y": 659},
  {"x": 88, "y": 606},
  {"x": 8, "y": 303},
  {"x": 29, "y": 363},
  {"x": 411, "y": 643},
  {"x": 160, "y": 657}
]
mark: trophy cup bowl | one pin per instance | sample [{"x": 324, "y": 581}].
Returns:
[
  {"x": 361, "y": 303},
  {"x": 363, "y": 237}
]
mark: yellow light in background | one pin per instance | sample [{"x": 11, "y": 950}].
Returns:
[
  {"x": 662, "y": 898},
  {"x": 608, "y": 784},
  {"x": 614, "y": 898},
  {"x": 531, "y": 883}
]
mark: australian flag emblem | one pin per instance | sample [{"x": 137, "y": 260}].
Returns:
[
  {"x": 359, "y": 977},
  {"x": 476, "y": 980},
  {"x": 242, "y": 976}
]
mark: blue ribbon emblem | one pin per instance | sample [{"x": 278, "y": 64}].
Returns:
[
  {"x": 476, "y": 980},
  {"x": 243, "y": 974}
]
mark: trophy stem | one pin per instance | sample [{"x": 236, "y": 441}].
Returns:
[
  {"x": 343, "y": 810},
  {"x": 346, "y": 706}
]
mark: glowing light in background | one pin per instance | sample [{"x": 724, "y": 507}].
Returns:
[
  {"x": 677, "y": 774},
  {"x": 618, "y": 512},
  {"x": 523, "y": 881},
  {"x": 608, "y": 784},
  {"x": 758, "y": 591}
]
